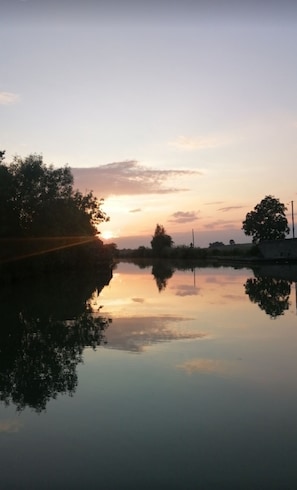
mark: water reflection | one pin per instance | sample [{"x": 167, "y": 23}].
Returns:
[
  {"x": 162, "y": 271},
  {"x": 271, "y": 294},
  {"x": 135, "y": 334},
  {"x": 46, "y": 325},
  {"x": 191, "y": 384},
  {"x": 270, "y": 287}
]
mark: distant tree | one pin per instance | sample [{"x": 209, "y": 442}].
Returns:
[
  {"x": 267, "y": 221},
  {"x": 231, "y": 242},
  {"x": 160, "y": 241},
  {"x": 216, "y": 244},
  {"x": 40, "y": 201}
]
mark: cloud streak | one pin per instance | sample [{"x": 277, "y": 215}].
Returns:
[
  {"x": 230, "y": 208},
  {"x": 184, "y": 217},
  {"x": 190, "y": 144},
  {"x": 128, "y": 178},
  {"x": 221, "y": 224}
]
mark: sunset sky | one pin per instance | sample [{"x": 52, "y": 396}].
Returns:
[{"x": 182, "y": 113}]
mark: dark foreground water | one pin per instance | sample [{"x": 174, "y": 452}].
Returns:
[{"x": 163, "y": 379}]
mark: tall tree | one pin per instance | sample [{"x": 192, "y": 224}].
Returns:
[
  {"x": 160, "y": 241},
  {"x": 267, "y": 221}
]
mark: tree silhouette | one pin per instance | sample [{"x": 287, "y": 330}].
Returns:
[
  {"x": 267, "y": 221},
  {"x": 161, "y": 241},
  {"x": 272, "y": 295}
]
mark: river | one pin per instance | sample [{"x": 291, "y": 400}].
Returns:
[{"x": 154, "y": 378}]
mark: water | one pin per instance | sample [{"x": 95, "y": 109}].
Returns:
[{"x": 174, "y": 380}]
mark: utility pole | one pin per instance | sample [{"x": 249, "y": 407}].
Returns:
[
  {"x": 293, "y": 227},
  {"x": 193, "y": 238}
]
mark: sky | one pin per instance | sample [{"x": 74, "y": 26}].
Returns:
[{"x": 179, "y": 113}]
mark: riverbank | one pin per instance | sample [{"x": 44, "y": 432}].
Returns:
[{"x": 26, "y": 257}]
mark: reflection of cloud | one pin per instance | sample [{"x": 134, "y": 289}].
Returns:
[
  {"x": 184, "y": 217},
  {"x": 10, "y": 426},
  {"x": 186, "y": 290},
  {"x": 137, "y": 210},
  {"x": 230, "y": 208},
  {"x": 223, "y": 280},
  {"x": 7, "y": 98},
  {"x": 136, "y": 333},
  {"x": 127, "y": 178},
  {"x": 205, "y": 366},
  {"x": 138, "y": 300}
]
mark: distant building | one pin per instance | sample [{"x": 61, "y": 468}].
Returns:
[{"x": 279, "y": 249}]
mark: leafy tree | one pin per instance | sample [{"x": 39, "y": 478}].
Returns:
[
  {"x": 160, "y": 241},
  {"x": 40, "y": 201},
  {"x": 267, "y": 221}
]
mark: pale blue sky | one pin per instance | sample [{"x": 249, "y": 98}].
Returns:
[{"x": 186, "y": 86}]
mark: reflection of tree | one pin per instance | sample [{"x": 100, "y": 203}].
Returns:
[
  {"x": 272, "y": 295},
  {"x": 162, "y": 271},
  {"x": 41, "y": 345}
]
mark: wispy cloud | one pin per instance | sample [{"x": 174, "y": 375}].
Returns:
[
  {"x": 189, "y": 144},
  {"x": 230, "y": 208},
  {"x": 7, "y": 98},
  {"x": 214, "y": 203},
  {"x": 221, "y": 224},
  {"x": 137, "y": 210},
  {"x": 184, "y": 217},
  {"x": 128, "y": 178}
]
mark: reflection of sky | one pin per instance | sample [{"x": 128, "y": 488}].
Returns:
[
  {"x": 10, "y": 426},
  {"x": 220, "y": 332},
  {"x": 210, "y": 303}
]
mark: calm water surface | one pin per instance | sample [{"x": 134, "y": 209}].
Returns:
[{"x": 163, "y": 379}]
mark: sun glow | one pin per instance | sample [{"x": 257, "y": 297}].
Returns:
[{"x": 107, "y": 234}]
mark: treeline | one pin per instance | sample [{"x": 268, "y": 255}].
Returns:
[
  {"x": 162, "y": 246},
  {"x": 192, "y": 253},
  {"x": 266, "y": 222}
]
